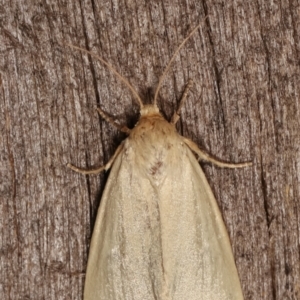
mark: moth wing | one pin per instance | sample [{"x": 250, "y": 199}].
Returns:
[
  {"x": 124, "y": 258},
  {"x": 198, "y": 257},
  {"x": 160, "y": 242}
]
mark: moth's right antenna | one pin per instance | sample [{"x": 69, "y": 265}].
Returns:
[
  {"x": 173, "y": 57},
  {"x": 112, "y": 69}
]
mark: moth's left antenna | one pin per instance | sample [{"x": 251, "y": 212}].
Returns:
[{"x": 113, "y": 70}]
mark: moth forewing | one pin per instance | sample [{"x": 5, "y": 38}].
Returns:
[{"x": 159, "y": 233}]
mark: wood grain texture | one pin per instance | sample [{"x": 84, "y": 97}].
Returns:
[{"x": 244, "y": 105}]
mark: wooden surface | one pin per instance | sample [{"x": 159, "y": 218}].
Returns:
[{"x": 244, "y": 62}]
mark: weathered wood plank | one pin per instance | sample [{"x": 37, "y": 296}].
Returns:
[{"x": 244, "y": 105}]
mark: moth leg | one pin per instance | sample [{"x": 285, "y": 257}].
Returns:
[
  {"x": 176, "y": 115},
  {"x": 204, "y": 156},
  {"x": 98, "y": 170},
  {"x": 108, "y": 119}
]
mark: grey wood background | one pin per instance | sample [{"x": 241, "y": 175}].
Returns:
[{"x": 244, "y": 62}]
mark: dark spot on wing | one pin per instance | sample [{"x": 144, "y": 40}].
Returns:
[
  {"x": 156, "y": 167},
  {"x": 169, "y": 146}
]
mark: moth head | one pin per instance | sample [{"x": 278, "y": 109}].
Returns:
[{"x": 149, "y": 109}]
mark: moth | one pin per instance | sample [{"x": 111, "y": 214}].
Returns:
[{"x": 159, "y": 234}]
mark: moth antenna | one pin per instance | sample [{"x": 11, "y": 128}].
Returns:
[
  {"x": 113, "y": 70},
  {"x": 173, "y": 57}
]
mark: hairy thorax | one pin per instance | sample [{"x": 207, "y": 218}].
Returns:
[{"x": 153, "y": 146}]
